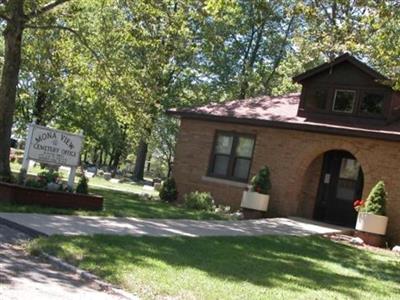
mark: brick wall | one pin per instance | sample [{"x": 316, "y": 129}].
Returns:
[{"x": 294, "y": 158}]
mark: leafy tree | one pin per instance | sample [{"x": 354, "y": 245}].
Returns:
[
  {"x": 164, "y": 50},
  {"x": 16, "y": 15},
  {"x": 330, "y": 28},
  {"x": 383, "y": 37},
  {"x": 113, "y": 73},
  {"x": 245, "y": 44},
  {"x": 163, "y": 140},
  {"x": 76, "y": 73}
]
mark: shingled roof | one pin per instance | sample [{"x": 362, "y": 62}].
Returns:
[{"x": 281, "y": 112}]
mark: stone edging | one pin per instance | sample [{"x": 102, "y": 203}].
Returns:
[{"x": 66, "y": 266}]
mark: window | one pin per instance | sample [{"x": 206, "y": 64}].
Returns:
[
  {"x": 372, "y": 103},
  {"x": 347, "y": 181},
  {"x": 316, "y": 99},
  {"x": 232, "y": 156},
  {"x": 344, "y": 101}
]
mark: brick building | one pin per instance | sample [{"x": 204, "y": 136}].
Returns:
[{"x": 326, "y": 146}]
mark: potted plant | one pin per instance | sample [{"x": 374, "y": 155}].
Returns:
[
  {"x": 50, "y": 180},
  {"x": 371, "y": 213},
  {"x": 257, "y": 197}
]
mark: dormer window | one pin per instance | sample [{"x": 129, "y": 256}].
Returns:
[
  {"x": 344, "y": 101},
  {"x": 347, "y": 90},
  {"x": 316, "y": 99},
  {"x": 372, "y": 103}
]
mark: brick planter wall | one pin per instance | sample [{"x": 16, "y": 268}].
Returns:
[
  {"x": 294, "y": 158},
  {"x": 25, "y": 195}
]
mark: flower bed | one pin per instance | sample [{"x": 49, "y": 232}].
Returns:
[{"x": 25, "y": 195}]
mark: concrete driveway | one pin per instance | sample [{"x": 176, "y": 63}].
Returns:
[
  {"x": 26, "y": 277},
  {"x": 83, "y": 225}
]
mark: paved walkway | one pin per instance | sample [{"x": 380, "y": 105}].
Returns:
[
  {"x": 26, "y": 277},
  {"x": 82, "y": 225}
]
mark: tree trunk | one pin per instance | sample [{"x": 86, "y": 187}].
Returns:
[
  {"x": 95, "y": 156},
  {"x": 110, "y": 162},
  {"x": 280, "y": 56},
  {"x": 100, "y": 158},
  {"x": 116, "y": 160},
  {"x": 85, "y": 154},
  {"x": 8, "y": 85},
  {"x": 148, "y": 168},
  {"x": 140, "y": 162},
  {"x": 169, "y": 171},
  {"x": 244, "y": 82},
  {"x": 40, "y": 106},
  {"x": 248, "y": 65}
]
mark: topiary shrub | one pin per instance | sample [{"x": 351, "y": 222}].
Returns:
[
  {"x": 83, "y": 187},
  {"x": 376, "y": 201},
  {"x": 168, "y": 191},
  {"x": 199, "y": 201},
  {"x": 261, "y": 182}
]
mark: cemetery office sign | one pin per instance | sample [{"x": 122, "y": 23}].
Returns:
[{"x": 54, "y": 147}]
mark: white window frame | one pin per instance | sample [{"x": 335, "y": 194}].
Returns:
[{"x": 354, "y": 101}]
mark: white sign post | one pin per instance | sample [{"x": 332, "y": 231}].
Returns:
[{"x": 53, "y": 147}]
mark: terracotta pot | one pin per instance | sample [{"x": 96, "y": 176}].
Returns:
[
  {"x": 254, "y": 200},
  {"x": 371, "y": 223}
]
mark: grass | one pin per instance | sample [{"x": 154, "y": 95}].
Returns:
[
  {"x": 120, "y": 200},
  {"x": 121, "y": 204},
  {"x": 269, "y": 267},
  {"x": 94, "y": 182},
  {"x": 99, "y": 182}
]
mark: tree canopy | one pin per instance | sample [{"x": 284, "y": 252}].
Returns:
[{"x": 111, "y": 68}]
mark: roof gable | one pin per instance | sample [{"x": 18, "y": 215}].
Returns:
[{"x": 340, "y": 59}]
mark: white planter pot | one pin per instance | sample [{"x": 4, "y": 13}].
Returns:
[
  {"x": 254, "y": 200},
  {"x": 371, "y": 223},
  {"x": 52, "y": 186}
]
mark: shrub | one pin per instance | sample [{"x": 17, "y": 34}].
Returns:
[
  {"x": 261, "y": 182},
  {"x": 34, "y": 184},
  {"x": 83, "y": 187},
  {"x": 49, "y": 176},
  {"x": 199, "y": 201},
  {"x": 168, "y": 191},
  {"x": 376, "y": 201}
]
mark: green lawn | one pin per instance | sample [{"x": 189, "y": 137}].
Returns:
[
  {"x": 120, "y": 200},
  {"x": 94, "y": 182},
  {"x": 100, "y": 182},
  {"x": 121, "y": 204},
  {"x": 269, "y": 267}
]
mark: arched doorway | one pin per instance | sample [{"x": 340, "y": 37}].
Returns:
[{"x": 341, "y": 183}]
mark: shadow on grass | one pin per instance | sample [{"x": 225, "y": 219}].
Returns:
[
  {"x": 289, "y": 263},
  {"x": 120, "y": 204}
]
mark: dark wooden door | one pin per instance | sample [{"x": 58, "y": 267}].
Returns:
[{"x": 340, "y": 185}]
